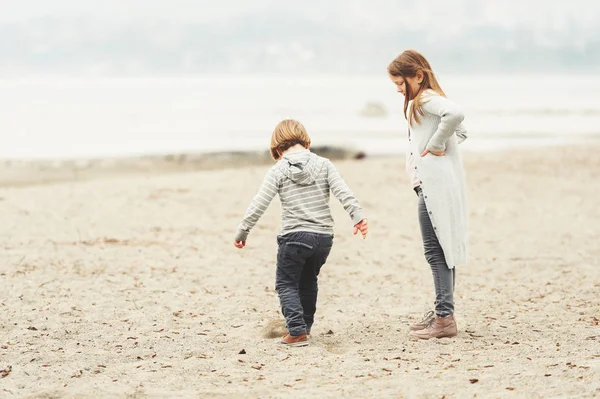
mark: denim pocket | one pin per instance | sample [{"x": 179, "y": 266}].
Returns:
[
  {"x": 302, "y": 244},
  {"x": 296, "y": 251}
]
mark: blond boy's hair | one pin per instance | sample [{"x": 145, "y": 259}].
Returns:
[{"x": 287, "y": 134}]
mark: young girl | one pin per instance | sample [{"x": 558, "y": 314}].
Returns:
[
  {"x": 435, "y": 170},
  {"x": 303, "y": 181}
]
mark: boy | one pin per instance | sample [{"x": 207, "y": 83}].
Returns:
[{"x": 303, "y": 181}]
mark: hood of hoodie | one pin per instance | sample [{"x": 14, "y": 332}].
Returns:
[{"x": 302, "y": 167}]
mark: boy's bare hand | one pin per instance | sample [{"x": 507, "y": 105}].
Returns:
[
  {"x": 363, "y": 227},
  {"x": 239, "y": 244}
]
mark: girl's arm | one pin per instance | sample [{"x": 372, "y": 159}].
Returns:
[
  {"x": 461, "y": 133},
  {"x": 451, "y": 116},
  {"x": 258, "y": 205}
]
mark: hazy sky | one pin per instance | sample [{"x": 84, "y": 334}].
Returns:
[
  {"x": 373, "y": 12},
  {"x": 229, "y": 35}
]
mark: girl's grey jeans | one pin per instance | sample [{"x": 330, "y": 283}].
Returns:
[{"x": 443, "y": 276}]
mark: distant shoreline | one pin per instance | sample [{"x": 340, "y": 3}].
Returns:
[
  {"x": 28, "y": 172},
  {"x": 34, "y": 172}
]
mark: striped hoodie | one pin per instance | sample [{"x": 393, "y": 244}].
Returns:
[{"x": 303, "y": 181}]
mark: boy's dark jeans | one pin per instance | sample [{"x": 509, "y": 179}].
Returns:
[{"x": 299, "y": 260}]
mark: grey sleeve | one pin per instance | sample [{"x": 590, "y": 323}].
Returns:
[
  {"x": 340, "y": 190},
  {"x": 259, "y": 204},
  {"x": 461, "y": 133},
  {"x": 451, "y": 116}
]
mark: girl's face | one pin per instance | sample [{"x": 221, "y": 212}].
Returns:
[{"x": 413, "y": 82}]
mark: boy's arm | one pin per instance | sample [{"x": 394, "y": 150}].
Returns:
[
  {"x": 341, "y": 191},
  {"x": 451, "y": 116},
  {"x": 259, "y": 205}
]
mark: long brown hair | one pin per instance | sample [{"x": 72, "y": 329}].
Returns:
[{"x": 406, "y": 65}]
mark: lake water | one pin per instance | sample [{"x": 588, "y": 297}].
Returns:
[{"x": 50, "y": 117}]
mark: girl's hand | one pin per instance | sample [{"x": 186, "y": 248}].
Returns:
[
  {"x": 436, "y": 153},
  {"x": 363, "y": 226},
  {"x": 239, "y": 244}
]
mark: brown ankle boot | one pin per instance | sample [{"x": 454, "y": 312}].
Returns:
[
  {"x": 423, "y": 324},
  {"x": 440, "y": 328},
  {"x": 294, "y": 340}
]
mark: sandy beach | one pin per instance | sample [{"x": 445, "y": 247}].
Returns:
[{"x": 129, "y": 286}]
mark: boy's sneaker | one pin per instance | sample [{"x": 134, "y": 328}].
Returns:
[
  {"x": 291, "y": 340},
  {"x": 442, "y": 327},
  {"x": 423, "y": 324}
]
